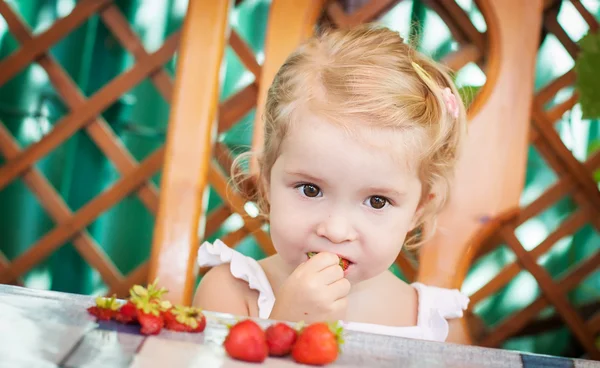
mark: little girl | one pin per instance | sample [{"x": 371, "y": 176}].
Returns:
[{"x": 361, "y": 138}]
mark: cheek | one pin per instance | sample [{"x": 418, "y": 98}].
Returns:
[
  {"x": 384, "y": 248},
  {"x": 288, "y": 230},
  {"x": 383, "y": 241}
]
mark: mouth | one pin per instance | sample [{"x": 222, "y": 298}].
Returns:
[{"x": 344, "y": 263}]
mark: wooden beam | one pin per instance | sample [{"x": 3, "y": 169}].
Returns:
[{"x": 190, "y": 138}]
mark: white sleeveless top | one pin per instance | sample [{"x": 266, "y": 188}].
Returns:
[{"x": 435, "y": 305}]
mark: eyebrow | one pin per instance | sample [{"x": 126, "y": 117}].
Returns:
[
  {"x": 303, "y": 175},
  {"x": 386, "y": 192}
]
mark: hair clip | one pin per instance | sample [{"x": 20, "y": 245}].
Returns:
[
  {"x": 451, "y": 102},
  {"x": 420, "y": 71},
  {"x": 449, "y": 97}
]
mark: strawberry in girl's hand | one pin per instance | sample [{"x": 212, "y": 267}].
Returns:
[
  {"x": 280, "y": 339},
  {"x": 185, "y": 319},
  {"x": 105, "y": 308},
  {"x": 344, "y": 263},
  {"x": 247, "y": 341},
  {"x": 127, "y": 313},
  {"x": 318, "y": 344}
]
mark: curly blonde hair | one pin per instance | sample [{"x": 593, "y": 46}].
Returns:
[{"x": 367, "y": 74}]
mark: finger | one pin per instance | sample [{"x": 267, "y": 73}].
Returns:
[
  {"x": 340, "y": 289},
  {"x": 330, "y": 274},
  {"x": 321, "y": 261}
]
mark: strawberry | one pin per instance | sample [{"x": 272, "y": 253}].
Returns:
[
  {"x": 318, "y": 344},
  {"x": 151, "y": 323},
  {"x": 150, "y": 313},
  {"x": 247, "y": 341},
  {"x": 344, "y": 263},
  {"x": 127, "y": 313},
  {"x": 280, "y": 339},
  {"x": 185, "y": 319},
  {"x": 105, "y": 308}
]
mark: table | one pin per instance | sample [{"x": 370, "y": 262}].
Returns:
[{"x": 49, "y": 329}]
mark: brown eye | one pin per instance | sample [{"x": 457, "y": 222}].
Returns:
[
  {"x": 310, "y": 190},
  {"x": 377, "y": 202}
]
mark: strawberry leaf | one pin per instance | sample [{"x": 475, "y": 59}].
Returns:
[
  {"x": 300, "y": 326},
  {"x": 337, "y": 329},
  {"x": 108, "y": 303}
]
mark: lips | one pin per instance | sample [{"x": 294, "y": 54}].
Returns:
[{"x": 344, "y": 263}]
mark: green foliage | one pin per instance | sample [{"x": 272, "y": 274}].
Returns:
[
  {"x": 595, "y": 146},
  {"x": 588, "y": 75},
  {"x": 468, "y": 94}
]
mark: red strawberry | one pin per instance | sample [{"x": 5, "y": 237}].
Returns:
[
  {"x": 105, "y": 308},
  {"x": 127, "y": 313},
  {"x": 201, "y": 325},
  {"x": 247, "y": 341},
  {"x": 169, "y": 318},
  {"x": 151, "y": 323},
  {"x": 100, "y": 313},
  {"x": 150, "y": 314},
  {"x": 344, "y": 263},
  {"x": 280, "y": 339},
  {"x": 317, "y": 344},
  {"x": 185, "y": 319}
]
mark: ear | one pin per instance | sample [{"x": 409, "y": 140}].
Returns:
[{"x": 420, "y": 209}]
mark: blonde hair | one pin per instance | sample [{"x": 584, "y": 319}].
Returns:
[{"x": 366, "y": 74}]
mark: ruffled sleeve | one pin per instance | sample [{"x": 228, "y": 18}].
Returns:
[
  {"x": 436, "y": 307},
  {"x": 243, "y": 268}
]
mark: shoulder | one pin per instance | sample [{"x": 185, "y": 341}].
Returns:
[{"x": 220, "y": 291}]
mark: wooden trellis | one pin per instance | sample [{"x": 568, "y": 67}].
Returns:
[
  {"x": 574, "y": 179},
  {"x": 84, "y": 114}
]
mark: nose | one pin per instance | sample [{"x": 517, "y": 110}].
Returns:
[{"x": 336, "y": 228}]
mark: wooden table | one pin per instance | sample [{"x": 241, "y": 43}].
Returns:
[{"x": 49, "y": 329}]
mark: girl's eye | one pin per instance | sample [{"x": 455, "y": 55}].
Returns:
[
  {"x": 377, "y": 202},
  {"x": 309, "y": 190}
]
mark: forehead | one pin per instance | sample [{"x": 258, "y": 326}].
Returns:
[{"x": 354, "y": 146}]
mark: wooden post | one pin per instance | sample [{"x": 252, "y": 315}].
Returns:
[
  {"x": 191, "y": 133},
  {"x": 290, "y": 23}
]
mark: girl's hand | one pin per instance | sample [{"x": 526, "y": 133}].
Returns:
[{"x": 315, "y": 291}]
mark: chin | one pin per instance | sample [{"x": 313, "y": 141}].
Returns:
[{"x": 353, "y": 275}]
